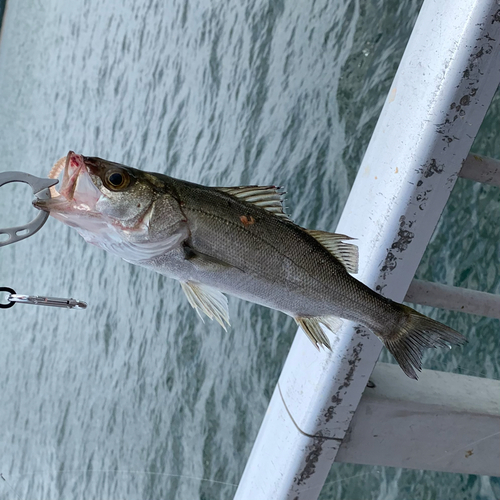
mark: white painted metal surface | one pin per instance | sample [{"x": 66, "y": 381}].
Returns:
[
  {"x": 446, "y": 422},
  {"x": 454, "y": 298},
  {"x": 481, "y": 169},
  {"x": 451, "y": 64}
]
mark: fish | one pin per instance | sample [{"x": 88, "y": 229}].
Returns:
[{"x": 236, "y": 241}]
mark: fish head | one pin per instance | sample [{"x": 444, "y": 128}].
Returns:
[
  {"x": 125, "y": 194},
  {"x": 92, "y": 187},
  {"x": 109, "y": 204}
]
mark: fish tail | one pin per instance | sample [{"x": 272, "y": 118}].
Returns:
[{"x": 414, "y": 333}]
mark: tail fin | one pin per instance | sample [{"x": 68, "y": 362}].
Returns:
[{"x": 417, "y": 333}]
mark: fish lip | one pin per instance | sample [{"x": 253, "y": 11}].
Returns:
[{"x": 68, "y": 185}]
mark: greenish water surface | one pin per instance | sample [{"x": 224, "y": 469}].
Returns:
[{"x": 136, "y": 397}]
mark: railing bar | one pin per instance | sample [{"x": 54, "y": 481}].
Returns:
[
  {"x": 481, "y": 169},
  {"x": 454, "y": 298}
]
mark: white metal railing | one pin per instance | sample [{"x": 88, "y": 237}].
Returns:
[
  {"x": 481, "y": 169},
  {"x": 486, "y": 171},
  {"x": 445, "y": 422},
  {"x": 443, "y": 87},
  {"x": 454, "y": 298}
]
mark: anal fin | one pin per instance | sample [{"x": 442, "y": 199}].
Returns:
[
  {"x": 312, "y": 328},
  {"x": 207, "y": 300}
]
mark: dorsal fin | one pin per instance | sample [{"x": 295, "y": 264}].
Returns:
[
  {"x": 346, "y": 253},
  {"x": 269, "y": 198}
]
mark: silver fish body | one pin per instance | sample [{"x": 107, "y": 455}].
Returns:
[
  {"x": 248, "y": 252},
  {"x": 236, "y": 241}
]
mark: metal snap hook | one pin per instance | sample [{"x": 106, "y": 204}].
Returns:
[
  {"x": 38, "y": 300},
  {"x": 9, "y": 291}
]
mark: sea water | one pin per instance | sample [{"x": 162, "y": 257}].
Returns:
[{"x": 136, "y": 397}]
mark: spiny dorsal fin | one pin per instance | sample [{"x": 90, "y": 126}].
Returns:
[
  {"x": 269, "y": 198},
  {"x": 346, "y": 253},
  {"x": 208, "y": 300}
]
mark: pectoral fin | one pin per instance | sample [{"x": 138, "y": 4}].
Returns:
[
  {"x": 208, "y": 300},
  {"x": 203, "y": 262},
  {"x": 312, "y": 328}
]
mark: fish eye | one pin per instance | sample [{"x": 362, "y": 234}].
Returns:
[{"x": 116, "y": 180}]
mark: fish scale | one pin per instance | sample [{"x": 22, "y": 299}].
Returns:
[{"x": 235, "y": 240}]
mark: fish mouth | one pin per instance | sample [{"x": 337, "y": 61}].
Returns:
[{"x": 78, "y": 190}]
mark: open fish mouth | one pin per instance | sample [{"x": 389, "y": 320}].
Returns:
[
  {"x": 77, "y": 189},
  {"x": 71, "y": 165}
]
